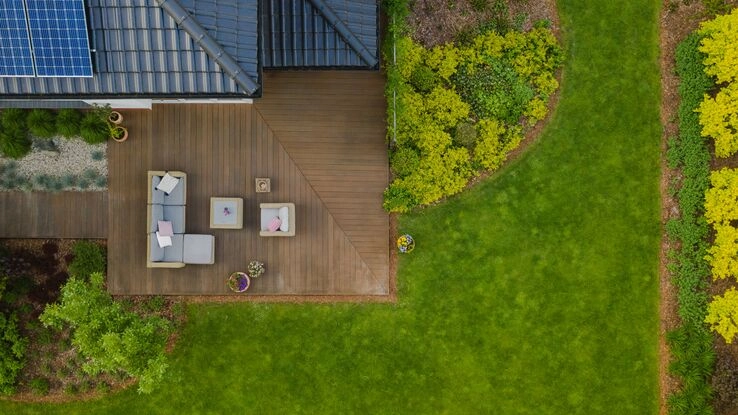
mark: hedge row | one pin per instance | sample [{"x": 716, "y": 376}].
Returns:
[{"x": 693, "y": 358}]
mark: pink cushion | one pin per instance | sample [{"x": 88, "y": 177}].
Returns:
[
  {"x": 165, "y": 228},
  {"x": 274, "y": 224}
]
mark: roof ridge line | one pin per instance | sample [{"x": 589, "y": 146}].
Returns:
[
  {"x": 203, "y": 39},
  {"x": 344, "y": 31}
]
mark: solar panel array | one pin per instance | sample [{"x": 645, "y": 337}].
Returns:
[
  {"x": 15, "y": 46},
  {"x": 45, "y": 38}
]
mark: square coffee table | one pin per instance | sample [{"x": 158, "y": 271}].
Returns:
[{"x": 226, "y": 212}]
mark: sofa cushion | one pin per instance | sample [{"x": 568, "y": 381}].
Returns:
[
  {"x": 274, "y": 224},
  {"x": 284, "y": 215},
  {"x": 165, "y": 228},
  {"x": 167, "y": 183},
  {"x": 163, "y": 240},
  {"x": 157, "y": 252},
  {"x": 198, "y": 249},
  {"x": 157, "y": 196},
  {"x": 267, "y": 214},
  {"x": 174, "y": 253},
  {"x": 176, "y": 215}
]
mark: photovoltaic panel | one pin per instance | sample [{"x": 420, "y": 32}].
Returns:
[
  {"x": 15, "y": 46},
  {"x": 58, "y": 30}
]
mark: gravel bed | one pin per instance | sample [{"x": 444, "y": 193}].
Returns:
[{"x": 72, "y": 165}]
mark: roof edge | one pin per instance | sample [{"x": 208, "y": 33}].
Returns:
[
  {"x": 203, "y": 39},
  {"x": 344, "y": 31}
]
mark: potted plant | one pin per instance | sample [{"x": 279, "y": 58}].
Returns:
[
  {"x": 115, "y": 117},
  {"x": 239, "y": 282},
  {"x": 405, "y": 243},
  {"x": 255, "y": 269},
  {"x": 118, "y": 133}
]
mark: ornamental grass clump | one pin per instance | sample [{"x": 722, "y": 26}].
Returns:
[
  {"x": 68, "y": 122},
  {"x": 41, "y": 123}
]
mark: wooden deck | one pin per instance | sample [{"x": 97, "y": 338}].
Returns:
[
  {"x": 319, "y": 136},
  {"x": 49, "y": 215}
]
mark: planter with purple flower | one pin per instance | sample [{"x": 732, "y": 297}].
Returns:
[{"x": 239, "y": 282}]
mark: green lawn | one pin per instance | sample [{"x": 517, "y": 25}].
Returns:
[{"x": 534, "y": 293}]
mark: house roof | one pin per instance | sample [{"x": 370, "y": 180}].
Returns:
[
  {"x": 322, "y": 33},
  {"x": 208, "y": 48}
]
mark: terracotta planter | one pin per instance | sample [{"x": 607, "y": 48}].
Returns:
[
  {"x": 122, "y": 136},
  {"x": 115, "y": 117}
]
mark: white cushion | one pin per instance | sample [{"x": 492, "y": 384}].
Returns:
[
  {"x": 164, "y": 241},
  {"x": 284, "y": 215},
  {"x": 167, "y": 183}
]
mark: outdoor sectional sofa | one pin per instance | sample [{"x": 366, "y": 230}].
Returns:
[{"x": 171, "y": 207}]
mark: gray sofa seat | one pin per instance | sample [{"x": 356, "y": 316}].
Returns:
[
  {"x": 198, "y": 249},
  {"x": 174, "y": 214}
]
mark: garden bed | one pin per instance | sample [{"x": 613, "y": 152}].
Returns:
[{"x": 36, "y": 271}]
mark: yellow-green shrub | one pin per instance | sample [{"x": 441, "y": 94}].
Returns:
[
  {"x": 723, "y": 254},
  {"x": 443, "y": 59},
  {"x": 488, "y": 152},
  {"x": 721, "y": 200},
  {"x": 409, "y": 55},
  {"x": 719, "y": 119},
  {"x": 536, "y": 110},
  {"x": 722, "y": 314},
  {"x": 720, "y": 44}
]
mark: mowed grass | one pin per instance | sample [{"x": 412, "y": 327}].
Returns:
[{"x": 533, "y": 293}]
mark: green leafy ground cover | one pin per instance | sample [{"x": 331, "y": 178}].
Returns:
[{"x": 533, "y": 293}]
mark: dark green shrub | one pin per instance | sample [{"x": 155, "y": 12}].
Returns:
[
  {"x": 84, "y": 184},
  {"x": 39, "y": 386},
  {"x": 404, "y": 161},
  {"x": 93, "y": 129},
  {"x": 68, "y": 122},
  {"x": 494, "y": 90},
  {"x": 41, "y": 123},
  {"x": 12, "y": 349},
  {"x": 424, "y": 79},
  {"x": 89, "y": 258},
  {"x": 465, "y": 135},
  {"x": 398, "y": 199}
]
